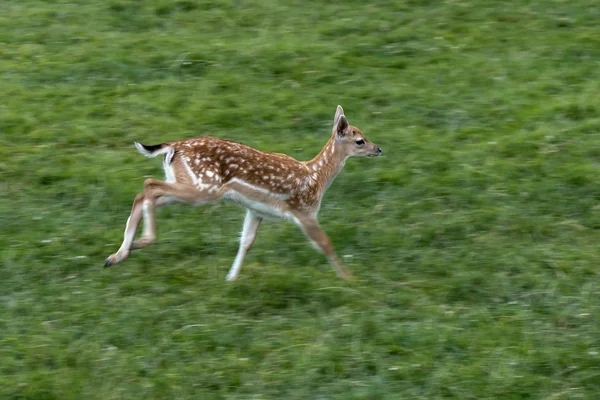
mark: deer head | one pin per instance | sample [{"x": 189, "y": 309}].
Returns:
[{"x": 352, "y": 140}]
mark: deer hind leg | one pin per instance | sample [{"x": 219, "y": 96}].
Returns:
[
  {"x": 251, "y": 223},
  {"x": 130, "y": 228},
  {"x": 156, "y": 194},
  {"x": 321, "y": 242},
  {"x": 148, "y": 213}
]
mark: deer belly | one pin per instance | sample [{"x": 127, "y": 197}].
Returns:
[{"x": 261, "y": 204}]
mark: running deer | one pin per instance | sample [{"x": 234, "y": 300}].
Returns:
[{"x": 205, "y": 169}]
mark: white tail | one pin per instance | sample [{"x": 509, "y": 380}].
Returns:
[
  {"x": 206, "y": 169},
  {"x": 151, "y": 151}
]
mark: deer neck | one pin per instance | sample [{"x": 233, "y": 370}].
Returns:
[{"x": 328, "y": 163}]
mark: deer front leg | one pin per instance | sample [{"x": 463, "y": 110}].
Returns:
[
  {"x": 251, "y": 223},
  {"x": 321, "y": 241}
]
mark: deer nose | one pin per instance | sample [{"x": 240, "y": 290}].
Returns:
[{"x": 378, "y": 150}]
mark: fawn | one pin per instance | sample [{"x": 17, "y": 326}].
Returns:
[{"x": 205, "y": 169}]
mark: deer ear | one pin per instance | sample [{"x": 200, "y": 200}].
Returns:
[
  {"x": 341, "y": 126},
  {"x": 338, "y": 112}
]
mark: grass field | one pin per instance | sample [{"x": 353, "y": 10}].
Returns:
[{"x": 474, "y": 240}]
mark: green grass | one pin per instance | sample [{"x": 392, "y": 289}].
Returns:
[{"x": 474, "y": 240}]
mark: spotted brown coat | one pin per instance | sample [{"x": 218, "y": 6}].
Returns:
[{"x": 204, "y": 169}]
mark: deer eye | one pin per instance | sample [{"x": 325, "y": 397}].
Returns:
[{"x": 360, "y": 142}]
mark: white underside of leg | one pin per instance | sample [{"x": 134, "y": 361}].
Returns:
[
  {"x": 246, "y": 239},
  {"x": 147, "y": 230},
  {"x": 127, "y": 237},
  {"x": 237, "y": 265}
]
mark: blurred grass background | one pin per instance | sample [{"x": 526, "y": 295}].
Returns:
[{"x": 474, "y": 240}]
